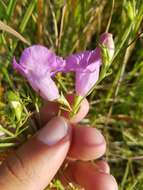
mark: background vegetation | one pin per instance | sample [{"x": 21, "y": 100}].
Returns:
[{"x": 116, "y": 105}]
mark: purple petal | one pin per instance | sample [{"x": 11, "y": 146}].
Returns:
[
  {"x": 83, "y": 61},
  {"x": 19, "y": 68},
  {"x": 43, "y": 58},
  {"x": 45, "y": 87},
  {"x": 85, "y": 81},
  {"x": 37, "y": 65}
]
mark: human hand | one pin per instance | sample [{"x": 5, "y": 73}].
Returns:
[{"x": 34, "y": 164}]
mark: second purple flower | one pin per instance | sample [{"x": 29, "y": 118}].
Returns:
[{"x": 86, "y": 65}]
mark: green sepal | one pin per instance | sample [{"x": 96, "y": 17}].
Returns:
[
  {"x": 63, "y": 101},
  {"x": 16, "y": 106},
  {"x": 77, "y": 103}
]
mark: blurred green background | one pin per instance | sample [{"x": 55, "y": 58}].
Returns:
[{"x": 116, "y": 105}]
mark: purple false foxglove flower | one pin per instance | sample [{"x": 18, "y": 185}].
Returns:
[
  {"x": 38, "y": 64},
  {"x": 87, "y": 64}
]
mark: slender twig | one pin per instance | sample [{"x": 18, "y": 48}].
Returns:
[
  {"x": 40, "y": 21},
  {"x": 9, "y": 133},
  {"x": 127, "y": 119},
  {"x": 62, "y": 24},
  {"x": 55, "y": 23},
  {"x": 110, "y": 17}
]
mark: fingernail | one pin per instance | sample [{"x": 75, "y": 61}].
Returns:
[{"x": 54, "y": 131}]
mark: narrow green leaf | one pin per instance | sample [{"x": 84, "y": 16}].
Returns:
[
  {"x": 10, "y": 8},
  {"x": 27, "y": 15},
  {"x": 2, "y": 10}
]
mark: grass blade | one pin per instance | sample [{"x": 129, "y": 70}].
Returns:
[
  {"x": 10, "y": 30},
  {"x": 27, "y": 16}
]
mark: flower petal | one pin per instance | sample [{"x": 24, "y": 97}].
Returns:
[
  {"x": 43, "y": 58},
  {"x": 19, "y": 67},
  {"x": 37, "y": 65},
  {"x": 45, "y": 87},
  {"x": 82, "y": 60},
  {"x": 85, "y": 81}
]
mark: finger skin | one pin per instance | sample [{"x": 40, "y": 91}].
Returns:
[
  {"x": 84, "y": 139},
  {"x": 86, "y": 175},
  {"x": 34, "y": 165},
  {"x": 102, "y": 166},
  {"x": 50, "y": 109},
  {"x": 83, "y": 110},
  {"x": 87, "y": 143}
]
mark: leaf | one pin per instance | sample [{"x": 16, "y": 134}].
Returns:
[
  {"x": 8, "y": 29},
  {"x": 27, "y": 15},
  {"x": 2, "y": 10},
  {"x": 10, "y": 8}
]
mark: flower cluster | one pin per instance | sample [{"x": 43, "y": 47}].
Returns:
[{"x": 39, "y": 66}]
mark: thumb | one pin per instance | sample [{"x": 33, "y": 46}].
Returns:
[{"x": 34, "y": 165}]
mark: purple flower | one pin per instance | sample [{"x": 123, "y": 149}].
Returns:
[
  {"x": 87, "y": 64},
  {"x": 38, "y": 64}
]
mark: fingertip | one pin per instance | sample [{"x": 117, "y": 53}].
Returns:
[
  {"x": 102, "y": 166},
  {"x": 50, "y": 109},
  {"x": 84, "y": 109},
  {"x": 88, "y": 177},
  {"x": 54, "y": 131},
  {"x": 87, "y": 143}
]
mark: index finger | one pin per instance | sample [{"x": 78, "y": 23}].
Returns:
[{"x": 51, "y": 109}]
